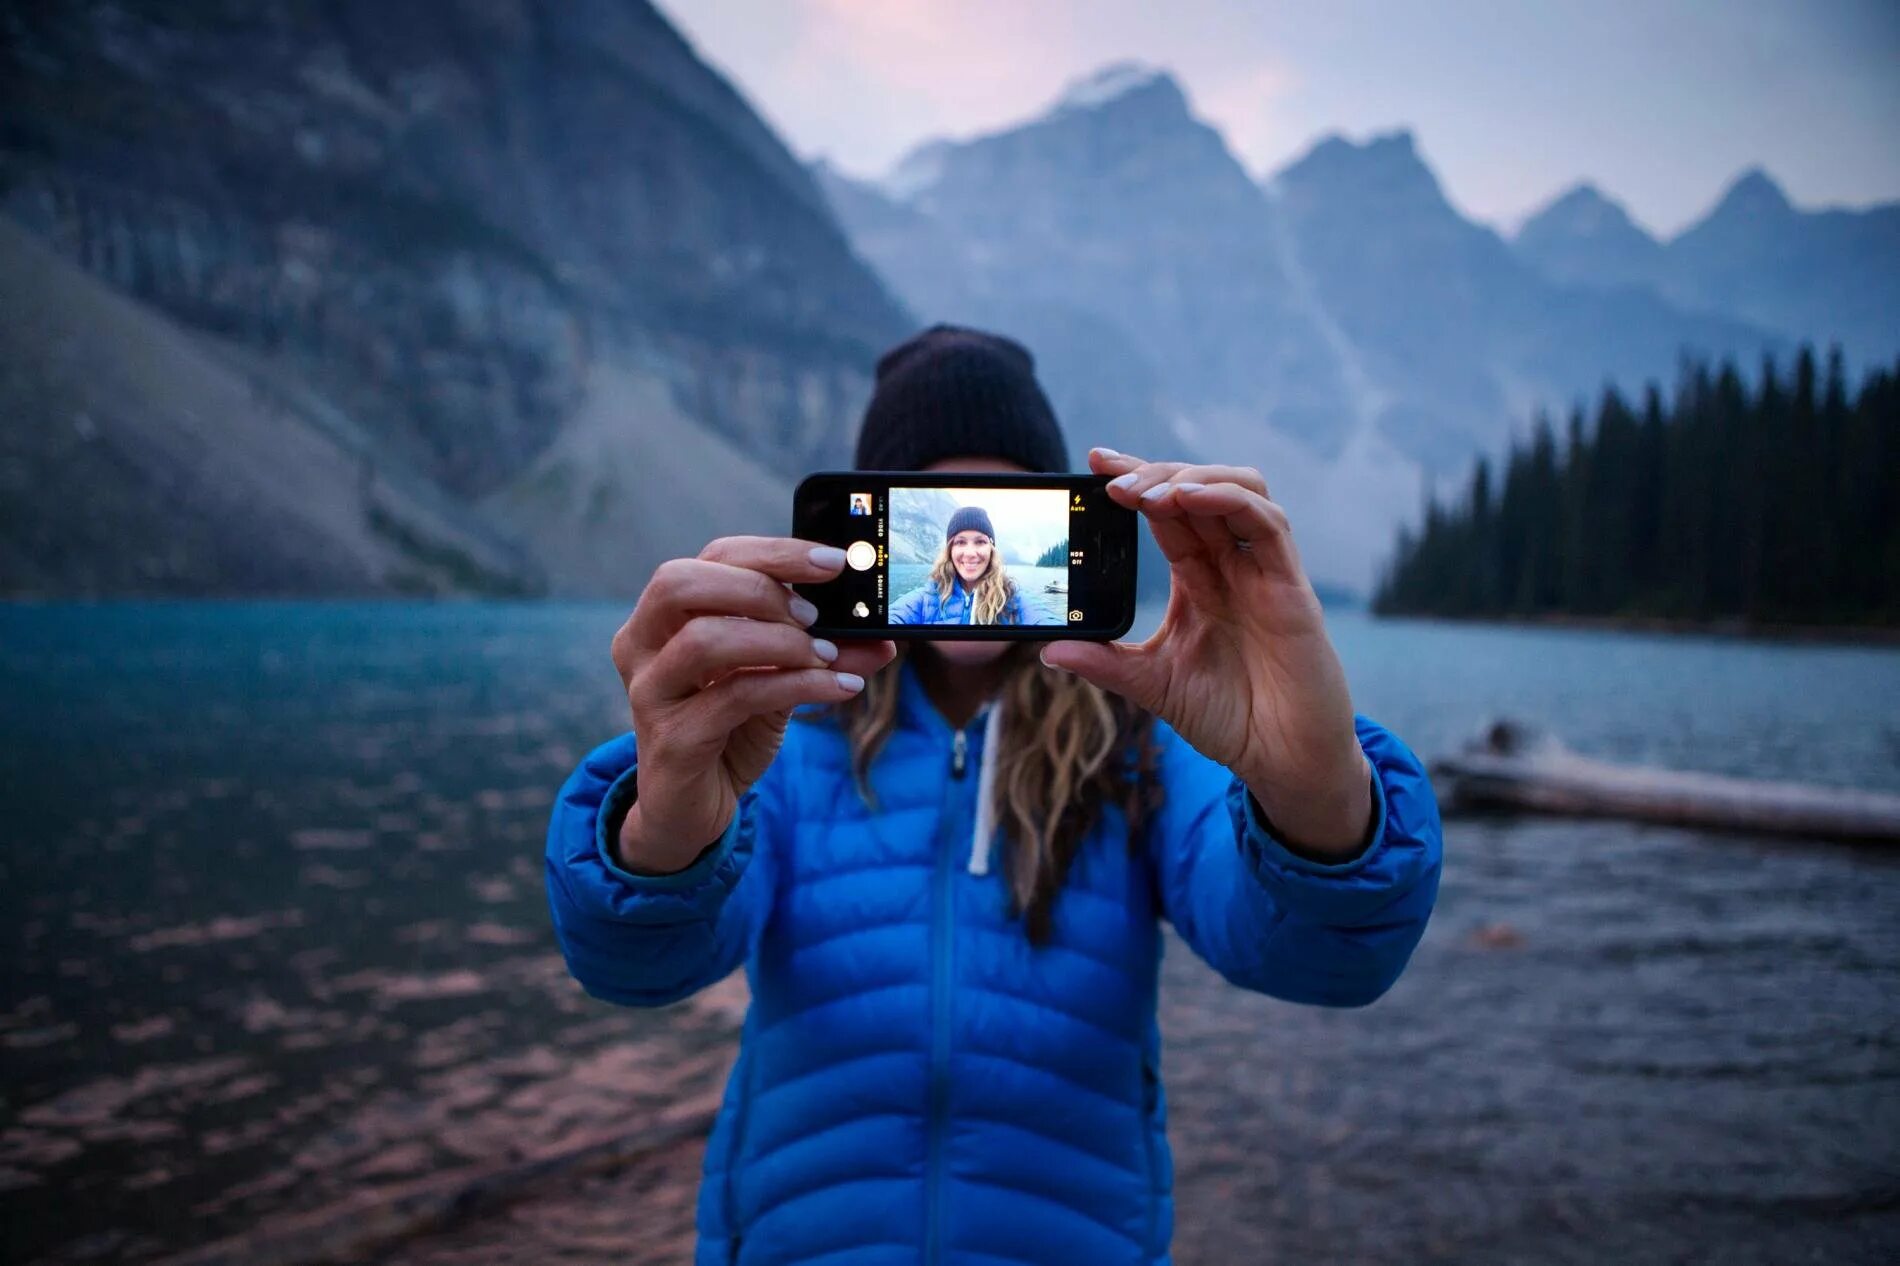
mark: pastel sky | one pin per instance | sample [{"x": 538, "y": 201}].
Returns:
[{"x": 1659, "y": 102}]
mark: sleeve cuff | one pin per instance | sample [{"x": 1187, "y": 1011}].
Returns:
[
  {"x": 613, "y": 812},
  {"x": 1271, "y": 850}
]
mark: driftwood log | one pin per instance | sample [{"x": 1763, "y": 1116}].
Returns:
[{"x": 1512, "y": 766}]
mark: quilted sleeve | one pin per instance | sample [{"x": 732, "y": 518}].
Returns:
[
  {"x": 912, "y": 608},
  {"x": 647, "y": 940},
  {"x": 1278, "y": 923}
]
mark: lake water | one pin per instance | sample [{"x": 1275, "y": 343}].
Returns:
[{"x": 276, "y": 935}]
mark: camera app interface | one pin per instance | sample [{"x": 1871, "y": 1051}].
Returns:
[{"x": 935, "y": 556}]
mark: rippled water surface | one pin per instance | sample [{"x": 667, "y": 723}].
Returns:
[{"x": 275, "y": 936}]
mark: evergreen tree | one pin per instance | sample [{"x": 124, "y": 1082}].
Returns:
[
  {"x": 1483, "y": 595},
  {"x": 1574, "y": 557},
  {"x": 1780, "y": 504},
  {"x": 1646, "y": 565}
]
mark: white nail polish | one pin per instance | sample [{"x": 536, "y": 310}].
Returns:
[
  {"x": 1156, "y": 492},
  {"x": 827, "y": 650},
  {"x": 1125, "y": 481},
  {"x": 803, "y": 611},
  {"x": 830, "y": 557},
  {"x": 850, "y": 681}
]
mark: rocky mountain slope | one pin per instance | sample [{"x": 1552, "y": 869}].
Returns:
[
  {"x": 458, "y": 228},
  {"x": 1461, "y": 339},
  {"x": 168, "y": 467},
  {"x": 1828, "y": 275}
]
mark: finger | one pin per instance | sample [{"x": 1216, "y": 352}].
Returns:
[
  {"x": 1158, "y": 499},
  {"x": 707, "y": 647},
  {"x": 1128, "y": 468},
  {"x": 1179, "y": 545},
  {"x": 1106, "y": 461},
  {"x": 682, "y": 588},
  {"x": 726, "y": 706},
  {"x": 1133, "y": 489},
  {"x": 1178, "y": 542},
  {"x": 1127, "y": 488},
  {"x": 1224, "y": 514},
  {"x": 1142, "y": 485},
  {"x": 863, "y": 658},
  {"x": 1129, "y": 670},
  {"x": 1245, "y": 476},
  {"x": 786, "y": 558}
]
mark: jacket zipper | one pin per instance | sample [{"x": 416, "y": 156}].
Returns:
[{"x": 944, "y": 914}]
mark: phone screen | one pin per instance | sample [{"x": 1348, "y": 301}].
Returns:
[{"x": 959, "y": 555}]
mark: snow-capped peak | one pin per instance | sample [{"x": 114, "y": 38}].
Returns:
[
  {"x": 1108, "y": 83},
  {"x": 915, "y": 171}
]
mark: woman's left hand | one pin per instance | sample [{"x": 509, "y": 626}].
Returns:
[{"x": 1241, "y": 666}]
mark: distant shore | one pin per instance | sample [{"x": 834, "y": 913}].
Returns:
[
  {"x": 1149, "y": 615},
  {"x": 1737, "y": 630}
]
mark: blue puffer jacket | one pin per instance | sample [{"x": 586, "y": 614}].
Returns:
[
  {"x": 915, "y": 1082},
  {"x": 927, "y": 605}
]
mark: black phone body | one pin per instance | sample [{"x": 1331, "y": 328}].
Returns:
[{"x": 1059, "y": 560}]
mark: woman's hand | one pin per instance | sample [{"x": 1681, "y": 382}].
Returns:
[
  {"x": 1241, "y": 666},
  {"x": 714, "y": 657}
]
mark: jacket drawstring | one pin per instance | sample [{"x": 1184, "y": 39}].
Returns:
[{"x": 985, "y": 786}]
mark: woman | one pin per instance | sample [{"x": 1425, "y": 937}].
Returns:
[
  {"x": 945, "y": 879},
  {"x": 968, "y": 583}
]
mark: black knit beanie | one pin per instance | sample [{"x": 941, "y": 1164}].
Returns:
[
  {"x": 951, "y": 391},
  {"x": 967, "y": 518}
]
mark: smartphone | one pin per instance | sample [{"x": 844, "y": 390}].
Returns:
[{"x": 952, "y": 555}]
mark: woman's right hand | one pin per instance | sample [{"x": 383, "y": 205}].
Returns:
[{"x": 715, "y": 657}]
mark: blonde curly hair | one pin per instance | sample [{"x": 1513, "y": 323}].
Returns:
[{"x": 1066, "y": 748}]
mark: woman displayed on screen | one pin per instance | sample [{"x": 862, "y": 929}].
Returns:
[{"x": 968, "y": 583}]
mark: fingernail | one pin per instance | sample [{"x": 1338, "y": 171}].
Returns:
[
  {"x": 1159, "y": 490},
  {"x": 803, "y": 611},
  {"x": 850, "y": 682},
  {"x": 1106, "y": 452},
  {"x": 829, "y": 557},
  {"x": 827, "y": 650},
  {"x": 1125, "y": 481},
  {"x": 1190, "y": 487}
]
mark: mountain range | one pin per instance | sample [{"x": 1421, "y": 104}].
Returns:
[
  {"x": 1831, "y": 276},
  {"x": 527, "y": 298},
  {"x": 1339, "y": 323}
]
